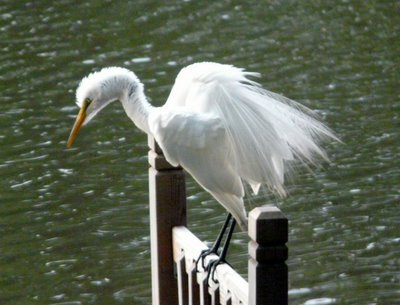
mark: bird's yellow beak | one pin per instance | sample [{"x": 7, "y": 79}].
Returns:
[{"x": 78, "y": 123}]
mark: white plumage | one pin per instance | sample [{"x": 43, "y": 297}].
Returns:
[{"x": 219, "y": 125}]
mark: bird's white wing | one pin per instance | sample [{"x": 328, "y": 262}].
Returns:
[
  {"x": 264, "y": 130},
  {"x": 198, "y": 142}
]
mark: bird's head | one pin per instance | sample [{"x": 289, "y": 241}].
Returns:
[{"x": 99, "y": 89}]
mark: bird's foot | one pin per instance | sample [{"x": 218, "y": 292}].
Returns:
[
  {"x": 212, "y": 267},
  {"x": 204, "y": 253}
]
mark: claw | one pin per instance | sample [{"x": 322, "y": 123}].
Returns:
[
  {"x": 204, "y": 253},
  {"x": 212, "y": 267},
  {"x": 211, "y": 270}
]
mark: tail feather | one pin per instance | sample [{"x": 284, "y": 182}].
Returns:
[
  {"x": 234, "y": 205},
  {"x": 269, "y": 130}
]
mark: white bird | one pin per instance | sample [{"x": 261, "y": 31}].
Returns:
[{"x": 219, "y": 125}]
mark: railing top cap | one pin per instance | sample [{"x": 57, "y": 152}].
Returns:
[
  {"x": 151, "y": 142},
  {"x": 268, "y": 225},
  {"x": 266, "y": 212}
]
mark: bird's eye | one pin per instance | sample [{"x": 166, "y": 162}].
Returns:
[{"x": 87, "y": 102}]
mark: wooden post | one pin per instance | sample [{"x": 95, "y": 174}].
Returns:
[
  {"x": 167, "y": 209},
  {"x": 268, "y": 272}
]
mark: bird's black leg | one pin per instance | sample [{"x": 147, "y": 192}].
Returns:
[
  {"x": 216, "y": 245},
  {"x": 222, "y": 257}
]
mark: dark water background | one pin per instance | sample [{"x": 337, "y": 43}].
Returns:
[{"x": 74, "y": 223}]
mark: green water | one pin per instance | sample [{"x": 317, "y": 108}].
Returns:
[{"x": 74, "y": 223}]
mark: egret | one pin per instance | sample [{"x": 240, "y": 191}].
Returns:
[{"x": 219, "y": 124}]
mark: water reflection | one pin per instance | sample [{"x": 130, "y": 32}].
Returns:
[{"x": 74, "y": 223}]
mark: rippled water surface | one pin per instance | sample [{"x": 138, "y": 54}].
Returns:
[{"x": 74, "y": 223}]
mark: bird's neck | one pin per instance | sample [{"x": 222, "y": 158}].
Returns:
[{"x": 138, "y": 109}]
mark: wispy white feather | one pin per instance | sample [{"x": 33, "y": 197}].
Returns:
[{"x": 265, "y": 130}]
